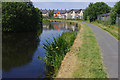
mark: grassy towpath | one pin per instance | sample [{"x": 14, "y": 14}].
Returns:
[{"x": 84, "y": 59}]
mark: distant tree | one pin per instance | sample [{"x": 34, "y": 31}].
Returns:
[
  {"x": 51, "y": 13},
  {"x": 20, "y": 17},
  {"x": 96, "y": 9},
  {"x": 85, "y": 14},
  {"x": 114, "y": 12}
]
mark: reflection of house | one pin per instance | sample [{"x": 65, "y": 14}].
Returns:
[
  {"x": 67, "y": 14},
  {"x": 104, "y": 17}
]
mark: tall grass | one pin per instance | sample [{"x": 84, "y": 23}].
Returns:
[{"x": 57, "y": 49}]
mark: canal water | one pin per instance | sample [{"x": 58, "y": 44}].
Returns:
[{"x": 20, "y": 51}]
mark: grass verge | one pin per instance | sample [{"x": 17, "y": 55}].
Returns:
[
  {"x": 112, "y": 29},
  {"x": 90, "y": 61}
]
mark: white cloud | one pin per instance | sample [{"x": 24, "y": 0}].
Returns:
[{"x": 74, "y": 0}]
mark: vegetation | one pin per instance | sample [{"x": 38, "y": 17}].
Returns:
[
  {"x": 105, "y": 25},
  {"x": 96, "y": 9},
  {"x": 56, "y": 50},
  {"x": 51, "y": 13},
  {"x": 90, "y": 61},
  {"x": 115, "y": 11},
  {"x": 20, "y": 17}
]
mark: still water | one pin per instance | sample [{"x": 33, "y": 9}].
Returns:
[{"x": 20, "y": 51}]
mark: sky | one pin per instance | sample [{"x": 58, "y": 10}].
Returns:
[
  {"x": 75, "y": 0},
  {"x": 65, "y": 5}
]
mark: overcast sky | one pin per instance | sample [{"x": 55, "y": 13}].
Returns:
[{"x": 65, "y": 5}]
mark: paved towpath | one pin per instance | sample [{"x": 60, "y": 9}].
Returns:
[{"x": 109, "y": 49}]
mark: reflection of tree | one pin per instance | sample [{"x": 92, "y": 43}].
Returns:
[{"x": 18, "y": 49}]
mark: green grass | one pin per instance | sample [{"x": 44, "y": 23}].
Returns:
[
  {"x": 57, "y": 49},
  {"x": 90, "y": 61},
  {"x": 112, "y": 29}
]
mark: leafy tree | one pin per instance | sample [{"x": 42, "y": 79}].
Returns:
[
  {"x": 114, "y": 12},
  {"x": 96, "y": 9},
  {"x": 85, "y": 14},
  {"x": 20, "y": 17}
]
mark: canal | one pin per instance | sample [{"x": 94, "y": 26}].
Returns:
[{"x": 20, "y": 51}]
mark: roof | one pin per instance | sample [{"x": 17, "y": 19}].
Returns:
[
  {"x": 76, "y": 10},
  {"x": 61, "y": 11},
  {"x": 107, "y": 14},
  {"x": 44, "y": 11},
  {"x": 55, "y": 11}
]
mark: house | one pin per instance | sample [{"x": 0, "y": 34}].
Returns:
[
  {"x": 75, "y": 14},
  {"x": 104, "y": 17},
  {"x": 80, "y": 14},
  {"x": 62, "y": 13},
  {"x": 45, "y": 12},
  {"x": 66, "y": 14}
]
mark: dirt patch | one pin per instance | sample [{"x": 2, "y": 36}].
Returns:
[{"x": 70, "y": 62}]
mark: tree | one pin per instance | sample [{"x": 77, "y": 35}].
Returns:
[
  {"x": 85, "y": 14},
  {"x": 96, "y": 9},
  {"x": 19, "y": 17},
  {"x": 114, "y": 12},
  {"x": 51, "y": 13}
]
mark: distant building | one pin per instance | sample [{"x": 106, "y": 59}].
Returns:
[
  {"x": 104, "y": 17},
  {"x": 118, "y": 19},
  {"x": 45, "y": 12},
  {"x": 66, "y": 14}
]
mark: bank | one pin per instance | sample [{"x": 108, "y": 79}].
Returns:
[{"x": 84, "y": 60}]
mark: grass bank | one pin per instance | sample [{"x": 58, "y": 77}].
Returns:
[
  {"x": 57, "y": 49},
  {"x": 89, "y": 56},
  {"x": 112, "y": 29}
]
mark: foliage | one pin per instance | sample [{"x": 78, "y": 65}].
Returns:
[
  {"x": 96, "y": 9},
  {"x": 56, "y": 50},
  {"x": 51, "y": 13},
  {"x": 114, "y": 12},
  {"x": 85, "y": 14},
  {"x": 20, "y": 17}
]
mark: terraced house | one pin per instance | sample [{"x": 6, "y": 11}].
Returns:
[{"x": 66, "y": 14}]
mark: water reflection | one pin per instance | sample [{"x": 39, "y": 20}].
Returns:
[
  {"x": 18, "y": 49},
  {"x": 59, "y": 26}
]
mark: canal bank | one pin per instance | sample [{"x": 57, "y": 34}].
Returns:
[{"x": 84, "y": 59}]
